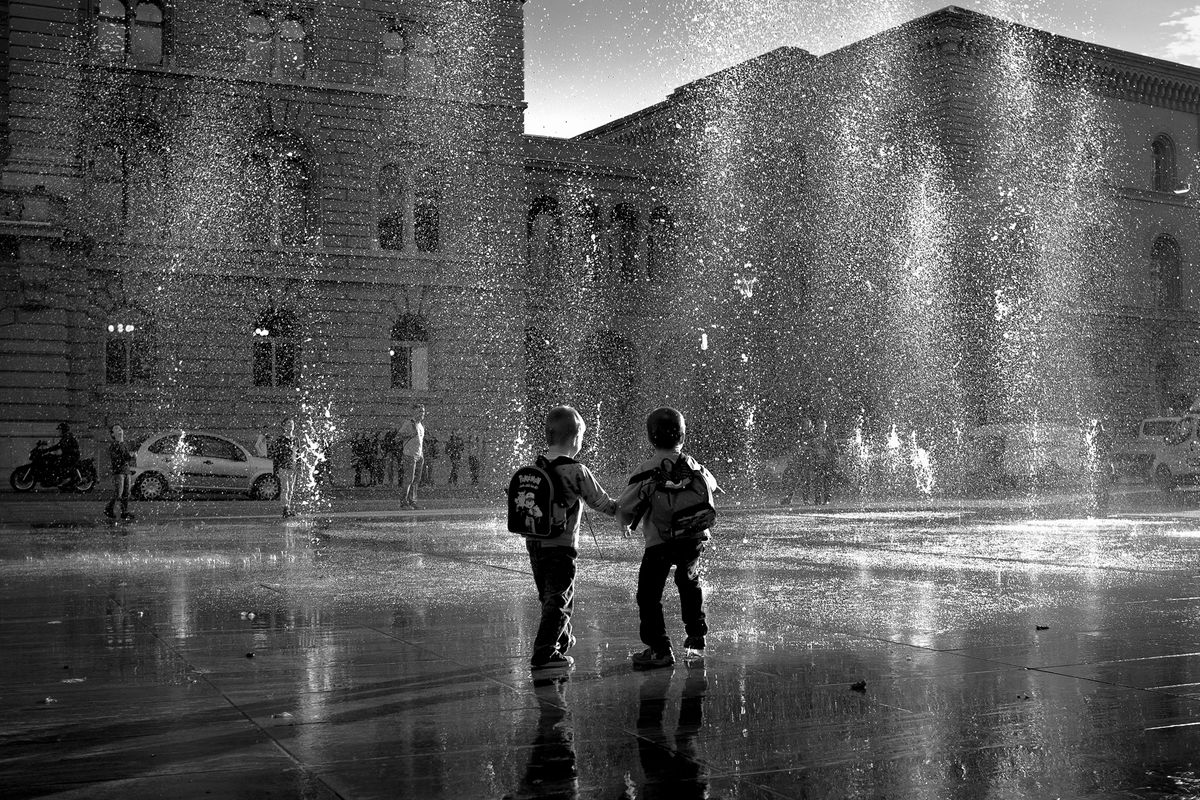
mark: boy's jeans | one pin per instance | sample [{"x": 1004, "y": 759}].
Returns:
[
  {"x": 554, "y": 574},
  {"x": 684, "y": 555}
]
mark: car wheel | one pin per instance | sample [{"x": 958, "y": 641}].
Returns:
[
  {"x": 151, "y": 486},
  {"x": 265, "y": 488},
  {"x": 1163, "y": 478},
  {"x": 21, "y": 479}
]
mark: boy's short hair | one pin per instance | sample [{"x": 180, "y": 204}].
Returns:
[
  {"x": 666, "y": 428},
  {"x": 563, "y": 424}
]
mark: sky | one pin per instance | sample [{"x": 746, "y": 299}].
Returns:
[{"x": 592, "y": 61}]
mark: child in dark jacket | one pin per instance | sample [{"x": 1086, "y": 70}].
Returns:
[
  {"x": 666, "y": 430},
  {"x": 553, "y": 560}
]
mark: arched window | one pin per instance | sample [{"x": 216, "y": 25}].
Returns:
[
  {"x": 259, "y": 42},
  {"x": 624, "y": 244},
  {"x": 588, "y": 222},
  {"x": 391, "y": 58},
  {"x": 409, "y": 353},
  {"x": 427, "y": 199},
  {"x": 147, "y": 39},
  {"x": 290, "y": 49},
  {"x": 291, "y": 202},
  {"x": 544, "y": 231},
  {"x": 1167, "y": 272},
  {"x": 128, "y": 350},
  {"x": 392, "y": 208},
  {"x": 660, "y": 243},
  {"x": 276, "y": 349},
  {"x": 111, "y": 27},
  {"x": 275, "y": 195},
  {"x": 1165, "y": 178},
  {"x": 108, "y": 199}
]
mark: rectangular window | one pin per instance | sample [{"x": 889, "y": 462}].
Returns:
[
  {"x": 286, "y": 367},
  {"x": 426, "y": 222},
  {"x": 410, "y": 366},
  {"x": 401, "y": 367},
  {"x": 264, "y": 363},
  {"x": 116, "y": 361}
]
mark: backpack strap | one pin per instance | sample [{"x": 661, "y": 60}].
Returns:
[
  {"x": 550, "y": 468},
  {"x": 643, "y": 505}
]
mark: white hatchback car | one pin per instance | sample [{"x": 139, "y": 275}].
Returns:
[{"x": 200, "y": 461}]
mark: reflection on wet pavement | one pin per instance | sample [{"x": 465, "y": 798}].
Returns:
[{"x": 370, "y": 657}]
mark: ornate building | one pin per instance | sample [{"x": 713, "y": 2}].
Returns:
[
  {"x": 957, "y": 221},
  {"x": 218, "y": 212}
]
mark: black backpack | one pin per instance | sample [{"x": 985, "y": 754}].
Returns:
[
  {"x": 535, "y": 493},
  {"x": 678, "y": 500}
]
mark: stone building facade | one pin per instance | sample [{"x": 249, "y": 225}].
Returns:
[
  {"x": 955, "y": 222},
  {"x": 219, "y": 212}
]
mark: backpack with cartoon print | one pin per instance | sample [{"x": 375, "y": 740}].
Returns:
[{"x": 535, "y": 494}]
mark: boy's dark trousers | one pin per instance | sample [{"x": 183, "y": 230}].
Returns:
[
  {"x": 554, "y": 575},
  {"x": 684, "y": 555}
]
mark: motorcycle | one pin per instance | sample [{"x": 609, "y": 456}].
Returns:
[{"x": 43, "y": 470}]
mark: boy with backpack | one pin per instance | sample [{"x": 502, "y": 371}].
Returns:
[
  {"x": 545, "y": 503},
  {"x": 671, "y": 495}
]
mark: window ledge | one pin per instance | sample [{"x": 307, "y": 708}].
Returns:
[
  {"x": 413, "y": 394},
  {"x": 171, "y": 70}
]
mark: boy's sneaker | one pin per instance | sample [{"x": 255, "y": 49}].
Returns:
[
  {"x": 648, "y": 659},
  {"x": 693, "y": 651},
  {"x": 567, "y": 644},
  {"x": 556, "y": 661},
  {"x": 128, "y": 517}
]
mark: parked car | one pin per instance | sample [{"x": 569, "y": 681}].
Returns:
[
  {"x": 1136, "y": 457},
  {"x": 1024, "y": 454},
  {"x": 1177, "y": 460},
  {"x": 200, "y": 461}
]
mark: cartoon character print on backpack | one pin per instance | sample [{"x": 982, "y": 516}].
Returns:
[
  {"x": 525, "y": 504},
  {"x": 678, "y": 500},
  {"x": 534, "y": 494}
]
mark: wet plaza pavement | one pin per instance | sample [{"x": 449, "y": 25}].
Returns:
[{"x": 375, "y": 656}]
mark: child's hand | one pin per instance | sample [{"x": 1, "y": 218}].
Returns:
[{"x": 625, "y": 531}]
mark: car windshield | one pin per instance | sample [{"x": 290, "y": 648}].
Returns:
[
  {"x": 1181, "y": 431},
  {"x": 1162, "y": 427}
]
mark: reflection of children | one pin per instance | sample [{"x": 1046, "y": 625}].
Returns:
[{"x": 553, "y": 560}]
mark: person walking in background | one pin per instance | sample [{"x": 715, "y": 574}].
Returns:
[
  {"x": 68, "y": 458},
  {"x": 454, "y": 451},
  {"x": 389, "y": 446},
  {"x": 473, "y": 463},
  {"x": 799, "y": 475},
  {"x": 412, "y": 436},
  {"x": 431, "y": 454},
  {"x": 121, "y": 462},
  {"x": 824, "y": 459},
  {"x": 283, "y": 456},
  {"x": 378, "y": 460}
]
